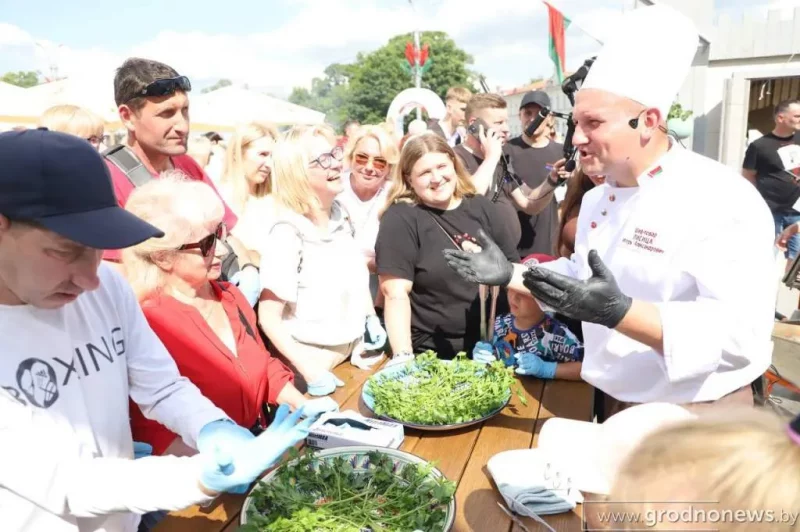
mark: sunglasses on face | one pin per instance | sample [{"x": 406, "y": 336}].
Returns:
[
  {"x": 208, "y": 244},
  {"x": 325, "y": 161},
  {"x": 378, "y": 163},
  {"x": 165, "y": 87}
]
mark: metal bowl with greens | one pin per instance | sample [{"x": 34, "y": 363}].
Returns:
[
  {"x": 351, "y": 489},
  {"x": 434, "y": 394}
]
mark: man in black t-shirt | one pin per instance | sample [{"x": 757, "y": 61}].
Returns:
[
  {"x": 772, "y": 164},
  {"x": 530, "y": 157},
  {"x": 483, "y": 157}
]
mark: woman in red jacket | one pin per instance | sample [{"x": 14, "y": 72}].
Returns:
[{"x": 208, "y": 326}]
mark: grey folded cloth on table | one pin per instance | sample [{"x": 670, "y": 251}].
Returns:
[{"x": 532, "y": 484}]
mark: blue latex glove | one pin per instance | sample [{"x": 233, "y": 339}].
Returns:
[
  {"x": 249, "y": 283},
  {"x": 316, "y": 407},
  {"x": 229, "y": 469},
  {"x": 483, "y": 352},
  {"x": 324, "y": 385},
  {"x": 376, "y": 334},
  {"x": 141, "y": 449},
  {"x": 222, "y": 433},
  {"x": 533, "y": 365}
]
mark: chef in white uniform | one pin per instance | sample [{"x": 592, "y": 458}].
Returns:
[{"x": 672, "y": 270}]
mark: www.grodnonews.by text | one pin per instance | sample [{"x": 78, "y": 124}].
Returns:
[{"x": 603, "y": 515}]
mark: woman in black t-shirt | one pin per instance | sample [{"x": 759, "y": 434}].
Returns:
[{"x": 432, "y": 206}]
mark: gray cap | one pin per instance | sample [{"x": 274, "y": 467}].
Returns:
[{"x": 539, "y": 98}]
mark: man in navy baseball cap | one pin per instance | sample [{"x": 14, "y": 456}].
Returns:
[
  {"x": 61, "y": 183},
  {"x": 58, "y": 212}
]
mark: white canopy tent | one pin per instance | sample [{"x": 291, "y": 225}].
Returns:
[
  {"x": 220, "y": 110},
  {"x": 226, "y": 107},
  {"x": 94, "y": 94},
  {"x": 15, "y": 102}
]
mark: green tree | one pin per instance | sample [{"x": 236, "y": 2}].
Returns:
[
  {"x": 21, "y": 79},
  {"x": 218, "y": 85},
  {"x": 329, "y": 94},
  {"x": 364, "y": 89},
  {"x": 381, "y": 75}
]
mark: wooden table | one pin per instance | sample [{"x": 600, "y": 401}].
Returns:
[{"x": 461, "y": 455}]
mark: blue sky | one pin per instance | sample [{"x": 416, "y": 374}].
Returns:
[{"x": 278, "y": 44}]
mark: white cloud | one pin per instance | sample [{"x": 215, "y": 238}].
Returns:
[
  {"x": 507, "y": 38},
  {"x": 11, "y": 35}
]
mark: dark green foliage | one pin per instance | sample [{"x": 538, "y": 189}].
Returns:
[{"x": 330, "y": 496}]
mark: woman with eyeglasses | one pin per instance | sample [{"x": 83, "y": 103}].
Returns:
[
  {"x": 371, "y": 155},
  {"x": 206, "y": 325},
  {"x": 432, "y": 206},
  {"x": 246, "y": 182},
  {"x": 316, "y": 307},
  {"x": 76, "y": 121}
]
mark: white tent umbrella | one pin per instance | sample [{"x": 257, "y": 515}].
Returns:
[
  {"x": 229, "y": 106},
  {"x": 94, "y": 94},
  {"x": 16, "y": 102}
]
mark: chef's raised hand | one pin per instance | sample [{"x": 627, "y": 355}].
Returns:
[
  {"x": 596, "y": 300},
  {"x": 489, "y": 266}
]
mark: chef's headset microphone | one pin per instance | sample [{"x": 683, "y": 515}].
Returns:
[{"x": 569, "y": 87}]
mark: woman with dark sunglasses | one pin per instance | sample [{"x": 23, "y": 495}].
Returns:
[
  {"x": 371, "y": 155},
  {"x": 208, "y": 326}
]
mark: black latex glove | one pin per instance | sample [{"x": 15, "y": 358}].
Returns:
[
  {"x": 490, "y": 266},
  {"x": 597, "y": 300}
]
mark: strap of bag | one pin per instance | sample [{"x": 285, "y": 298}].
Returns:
[
  {"x": 346, "y": 214},
  {"x": 299, "y": 236},
  {"x": 123, "y": 158},
  {"x": 230, "y": 264},
  {"x": 445, "y": 231}
]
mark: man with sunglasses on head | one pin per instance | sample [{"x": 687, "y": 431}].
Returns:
[
  {"x": 153, "y": 102},
  {"x": 76, "y": 347}
]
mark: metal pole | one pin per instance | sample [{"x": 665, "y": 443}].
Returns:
[{"x": 417, "y": 72}]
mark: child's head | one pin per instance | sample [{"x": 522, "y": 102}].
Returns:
[
  {"x": 523, "y": 305},
  {"x": 744, "y": 460}
]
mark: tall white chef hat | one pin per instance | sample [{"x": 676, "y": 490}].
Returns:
[{"x": 647, "y": 57}]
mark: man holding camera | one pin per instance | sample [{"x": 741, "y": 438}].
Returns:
[
  {"x": 533, "y": 155},
  {"x": 672, "y": 281}
]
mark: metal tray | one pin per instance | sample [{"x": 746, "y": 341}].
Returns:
[
  {"x": 369, "y": 403},
  {"x": 357, "y": 455}
]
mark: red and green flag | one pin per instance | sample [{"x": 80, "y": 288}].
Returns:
[{"x": 557, "y": 45}]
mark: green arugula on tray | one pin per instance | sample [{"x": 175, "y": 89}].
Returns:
[
  {"x": 438, "y": 392},
  {"x": 319, "y": 495}
]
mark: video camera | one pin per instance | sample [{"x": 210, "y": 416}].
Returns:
[{"x": 569, "y": 87}]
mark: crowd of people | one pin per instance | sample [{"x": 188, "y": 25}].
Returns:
[{"x": 217, "y": 282}]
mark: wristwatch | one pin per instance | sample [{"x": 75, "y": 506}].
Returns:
[{"x": 554, "y": 184}]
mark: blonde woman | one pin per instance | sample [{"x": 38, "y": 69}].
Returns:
[
  {"x": 432, "y": 207},
  {"x": 207, "y": 325},
  {"x": 246, "y": 181},
  {"x": 76, "y": 121},
  {"x": 371, "y": 156},
  {"x": 720, "y": 469},
  {"x": 316, "y": 305}
]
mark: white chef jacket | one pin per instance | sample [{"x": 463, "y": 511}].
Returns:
[
  {"x": 695, "y": 239},
  {"x": 65, "y": 440}
]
